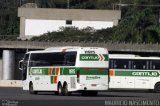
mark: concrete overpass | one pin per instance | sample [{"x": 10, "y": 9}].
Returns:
[
  {"x": 119, "y": 47},
  {"x": 11, "y": 52}
]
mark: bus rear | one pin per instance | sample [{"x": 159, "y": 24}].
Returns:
[{"x": 92, "y": 74}]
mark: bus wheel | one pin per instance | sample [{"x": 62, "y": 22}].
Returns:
[
  {"x": 157, "y": 87},
  {"x": 60, "y": 89},
  {"x": 65, "y": 90},
  {"x": 31, "y": 91}
]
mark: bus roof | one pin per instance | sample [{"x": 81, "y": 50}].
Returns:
[
  {"x": 64, "y": 48},
  {"x": 61, "y": 48},
  {"x": 130, "y": 56}
]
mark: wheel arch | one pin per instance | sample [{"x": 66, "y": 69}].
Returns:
[
  {"x": 157, "y": 87},
  {"x": 156, "y": 83}
]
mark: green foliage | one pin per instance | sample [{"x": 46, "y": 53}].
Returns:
[
  {"x": 139, "y": 23},
  {"x": 9, "y": 23},
  {"x": 141, "y": 26},
  {"x": 105, "y": 4},
  {"x": 75, "y": 34},
  {"x": 64, "y": 34}
]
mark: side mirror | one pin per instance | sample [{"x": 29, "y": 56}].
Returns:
[{"x": 20, "y": 65}]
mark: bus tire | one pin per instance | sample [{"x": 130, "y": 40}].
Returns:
[
  {"x": 65, "y": 90},
  {"x": 31, "y": 90},
  {"x": 59, "y": 89},
  {"x": 157, "y": 87}
]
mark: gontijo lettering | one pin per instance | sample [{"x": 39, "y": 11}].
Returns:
[
  {"x": 89, "y": 57},
  {"x": 154, "y": 74},
  {"x": 93, "y": 57}
]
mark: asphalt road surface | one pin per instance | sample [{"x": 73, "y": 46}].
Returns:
[{"x": 18, "y": 97}]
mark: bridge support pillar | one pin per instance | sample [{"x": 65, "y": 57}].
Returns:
[
  {"x": 1, "y": 72},
  {"x": 8, "y": 64}
]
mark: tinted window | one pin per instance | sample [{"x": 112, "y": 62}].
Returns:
[
  {"x": 155, "y": 64},
  {"x": 70, "y": 58},
  {"x": 53, "y": 59},
  {"x": 119, "y": 63},
  {"x": 139, "y": 64}
]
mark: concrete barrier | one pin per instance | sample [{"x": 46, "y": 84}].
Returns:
[{"x": 10, "y": 83}]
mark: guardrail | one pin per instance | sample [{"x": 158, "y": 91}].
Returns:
[{"x": 130, "y": 47}]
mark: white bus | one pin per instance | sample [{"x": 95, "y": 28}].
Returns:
[
  {"x": 134, "y": 72},
  {"x": 66, "y": 69}
]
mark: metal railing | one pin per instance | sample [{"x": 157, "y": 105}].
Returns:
[{"x": 129, "y": 47}]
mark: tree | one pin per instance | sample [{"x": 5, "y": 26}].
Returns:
[
  {"x": 139, "y": 27},
  {"x": 9, "y": 22}
]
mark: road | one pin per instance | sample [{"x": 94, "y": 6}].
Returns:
[{"x": 18, "y": 97}]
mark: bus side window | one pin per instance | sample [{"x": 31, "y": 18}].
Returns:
[
  {"x": 121, "y": 64},
  {"x": 134, "y": 66},
  {"x": 139, "y": 64},
  {"x": 155, "y": 64},
  {"x": 154, "y": 67},
  {"x": 70, "y": 59},
  {"x": 144, "y": 67}
]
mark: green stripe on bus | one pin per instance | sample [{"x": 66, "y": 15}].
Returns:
[
  {"x": 93, "y": 72},
  {"x": 70, "y": 71},
  {"x": 84, "y": 71},
  {"x": 138, "y": 73}
]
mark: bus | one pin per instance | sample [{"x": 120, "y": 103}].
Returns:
[
  {"x": 66, "y": 69},
  {"x": 134, "y": 72}
]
